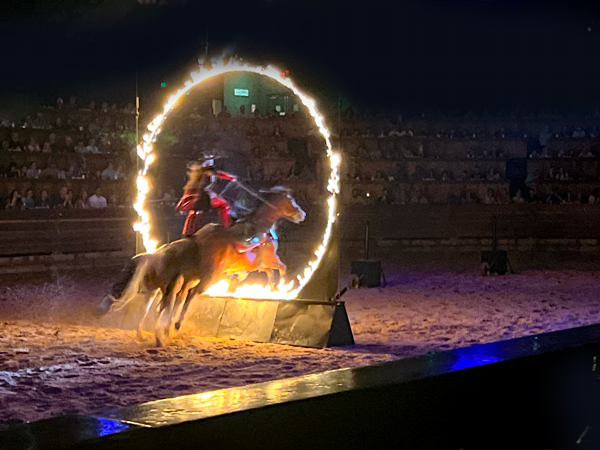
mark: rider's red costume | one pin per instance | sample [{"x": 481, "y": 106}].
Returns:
[{"x": 190, "y": 202}]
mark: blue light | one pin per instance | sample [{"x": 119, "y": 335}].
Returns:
[
  {"x": 107, "y": 426},
  {"x": 474, "y": 361},
  {"x": 479, "y": 355}
]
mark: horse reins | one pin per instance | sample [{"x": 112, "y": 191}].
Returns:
[{"x": 255, "y": 195}]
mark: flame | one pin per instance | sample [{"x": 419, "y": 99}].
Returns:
[{"x": 146, "y": 153}]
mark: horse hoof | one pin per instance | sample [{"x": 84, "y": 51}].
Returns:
[
  {"x": 140, "y": 337},
  {"x": 177, "y": 326},
  {"x": 158, "y": 343},
  {"x": 104, "y": 306}
]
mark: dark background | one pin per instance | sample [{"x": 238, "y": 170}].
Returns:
[{"x": 481, "y": 54}]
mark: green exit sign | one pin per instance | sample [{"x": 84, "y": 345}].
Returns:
[
  {"x": 240, "y": 92},
  {"x": 163, "y": 84}
]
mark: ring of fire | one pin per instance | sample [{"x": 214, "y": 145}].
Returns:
[{"x": 146, "y": 153}]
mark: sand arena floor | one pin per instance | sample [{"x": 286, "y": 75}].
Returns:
[{"x": 55, "y": 359}]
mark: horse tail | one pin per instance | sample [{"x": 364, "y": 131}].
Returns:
[{"x": 128, "y": 284}]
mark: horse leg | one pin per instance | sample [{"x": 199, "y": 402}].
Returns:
[
  {"x": 237, "y": 280},
  {"x": 150, "y": 297},
  {"x": 165, "y": 307},
  {"x": 198, "y": 289},
  {"x": 270, "y": 261},
  {"x": 270, "y": 280},
  {"x": 181, "y": 297}
]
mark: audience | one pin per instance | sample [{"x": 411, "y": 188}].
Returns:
[
  {"x": 82, "y": 201},
  {"x": 28, "y": 202},
  {"x": 14, "y": 201},
  {"x": 386, "y": 152},
  {"x": 97, "y": 201}
]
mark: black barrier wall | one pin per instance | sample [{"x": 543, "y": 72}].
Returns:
[{"x": 533, "y": 392}]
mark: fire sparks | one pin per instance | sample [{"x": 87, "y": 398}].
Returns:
[{"x": 146, "y": 153}]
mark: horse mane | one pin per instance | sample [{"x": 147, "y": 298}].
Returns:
[{"x": 275, "y": 191}]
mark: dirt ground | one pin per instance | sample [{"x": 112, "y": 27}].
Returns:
[{"x": 55, "y": 359}]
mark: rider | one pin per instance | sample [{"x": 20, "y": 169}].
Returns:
[{"x": 198, "y": 201}]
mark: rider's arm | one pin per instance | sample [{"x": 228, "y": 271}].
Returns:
[
  {"x": 226, "y": 176},
  {"x": 187, "y": 202}
]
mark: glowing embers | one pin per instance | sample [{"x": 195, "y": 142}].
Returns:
[{"x": 146, "y": 152}]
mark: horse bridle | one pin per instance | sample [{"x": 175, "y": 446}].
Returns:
[{"x": 255, "y": 195}]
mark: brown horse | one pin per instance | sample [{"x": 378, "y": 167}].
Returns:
[{"x": 181, "y": 269}]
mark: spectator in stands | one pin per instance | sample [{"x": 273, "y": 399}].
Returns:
[
  {"x": 58, "y": 199},
  {"x": 387, "y": 198},
  {"x": 28, "y": 202},
  {"x": 47, "y": 148},
  {"x": 44, "y": 202},
  {"x": 562, "y": 175},
  {"x": 72, "y": 105},
  {"x": 12, "y": 170},
  {"x": 71, "y": 172},
  {"x": 15, "y": 143},
  {"x": 368, "y": 133},
  {"x": 71, "y": 125},
  {"x": 113, "y": 202},
  {"x": 94, "y": 127},
  {"x": 109, "y": 173},
  {"x": 357, "y": 198},
  {"x": 121, "y": 174},
  {"x": 52, "y": 140},
  {"x": 476, "y": 175},
  {"x": 578, "y": 133},
  {"x": 490, "y": 197},
  {"x": 67, "y": 201},
  {"x": 83, "y": 171},
  {"x": 33, "y": 171},
  {"x": 394, "y": 132},
  {"x": 14, "y": 202},
  {"x": 545, "y": 136},
  {"x": 492, "y": 175},
  {"x": 375, "y": 154},
  {"x": 92, "y": 148},
  {"x": 33, "y": 146},
  {"x": 80, "y": 148},
  {"x": 50, "y": 172},
  {"x": 594, "y": 196},
  {"x": 5, "y": 146},
  {"x": 554, "y": 198},
  {"x": 39, "y": 122},
  {"x": 518, "y": 197},
  {"x": 82, "y": 201},
  {"x": 68, "y": 147},
  {"x": 417, "y": 197},
  {"x": 58, "y": 124},
  {"x": 97, "y": 201}
]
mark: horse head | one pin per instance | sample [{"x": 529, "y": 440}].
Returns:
[{"x": 280, "y": 201}]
